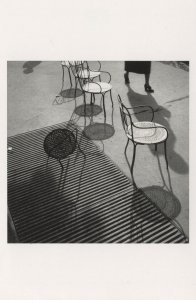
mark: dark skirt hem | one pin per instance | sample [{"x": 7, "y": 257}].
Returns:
[{"x": 140, "y": 67}]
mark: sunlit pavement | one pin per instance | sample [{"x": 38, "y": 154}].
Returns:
[{"x": 32, "y": 89}]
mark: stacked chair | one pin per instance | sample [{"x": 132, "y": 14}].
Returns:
[{"x": 85, "y": 78}]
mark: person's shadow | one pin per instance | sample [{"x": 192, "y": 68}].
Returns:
[
  {"x": 161, "y": 116},
  {"x": 29, "y": 66}
]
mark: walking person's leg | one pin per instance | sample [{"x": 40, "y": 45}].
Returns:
[
  {"x": 126, "y": 76},
  {"x": 147, "y": 86}
]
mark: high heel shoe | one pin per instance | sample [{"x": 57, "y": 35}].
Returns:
[
  {"x": 126, "y": 79},
  {"x": 148, "y": 88}
]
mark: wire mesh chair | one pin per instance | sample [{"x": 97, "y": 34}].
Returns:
[
  {"x": 84, "y": 76},
  {"x": 60, "y": 143},
  {"x": 142, "y": 133}
]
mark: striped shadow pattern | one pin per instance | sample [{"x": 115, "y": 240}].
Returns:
[{"x": 90, "y": 201}]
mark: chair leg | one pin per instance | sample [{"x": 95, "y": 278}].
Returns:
[
  {"x": 61, "y": 164},
  {"x": 112, "y": 116},
  {"x": 165, "y": 148},
  {"x": 91, "y": 99},
  {"x": 126, "y": 146},
  {"x": 103, "y": 95},
  {"x": 84, "y": 104},
  {"x": 63, "y": 177},
  {"x": 60, "y": 179},
  {"x": 47, "y": 163},
  {"x": 133, "y": 159},
  {"x": 111, "y": 98},
  {"x": 81, "y": 150},
  {"x": 76, "y": 84},
  {"x": 70, "y": 77},
  {"x": 62, "y": 79},
  {"x": 80, "y": 84}
]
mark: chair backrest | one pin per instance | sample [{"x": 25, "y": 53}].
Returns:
[
  {"x": 128, "y": 119},
  {"x": 125, "y": 116},
  {"x": 79, "y": 67},
  {"x": 75, "y": 66}
]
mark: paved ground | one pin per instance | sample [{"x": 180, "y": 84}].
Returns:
[{"x": 32, "y": 88}]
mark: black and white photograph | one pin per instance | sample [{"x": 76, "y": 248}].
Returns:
[{"x": 98, "y": 152}]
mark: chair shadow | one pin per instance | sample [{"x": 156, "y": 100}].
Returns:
[
  {"x": 162, "y": 116},
  {"x": 88, "y": 110},
  {"x": 71, "y": 93},
  {"x": 28, "y": 66},
  {"x": 99, "y": 131},
  {"x": 86, "y": 217},
  {"x": 166, "y": 201},
  {"x": 162, "y": 196}
]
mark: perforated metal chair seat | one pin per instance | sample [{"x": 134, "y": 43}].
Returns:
[
  {"x": 98, "y": 87},
  {"x": 143, "y": 135},
  {"x": 60, "y": 143}
]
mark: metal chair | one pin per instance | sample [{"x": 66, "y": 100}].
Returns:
[
  {"x": 84, "y": 71},
  {"x": 84, "y": 74},
  {"x": 60, "y": 143},
  {"x": 141, "y": 133},
  {"x": 85, "y": 77},
  {"x": 65, "y": 64}
]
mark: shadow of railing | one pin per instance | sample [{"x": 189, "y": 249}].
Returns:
[{"x": 178, "y": 99}]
